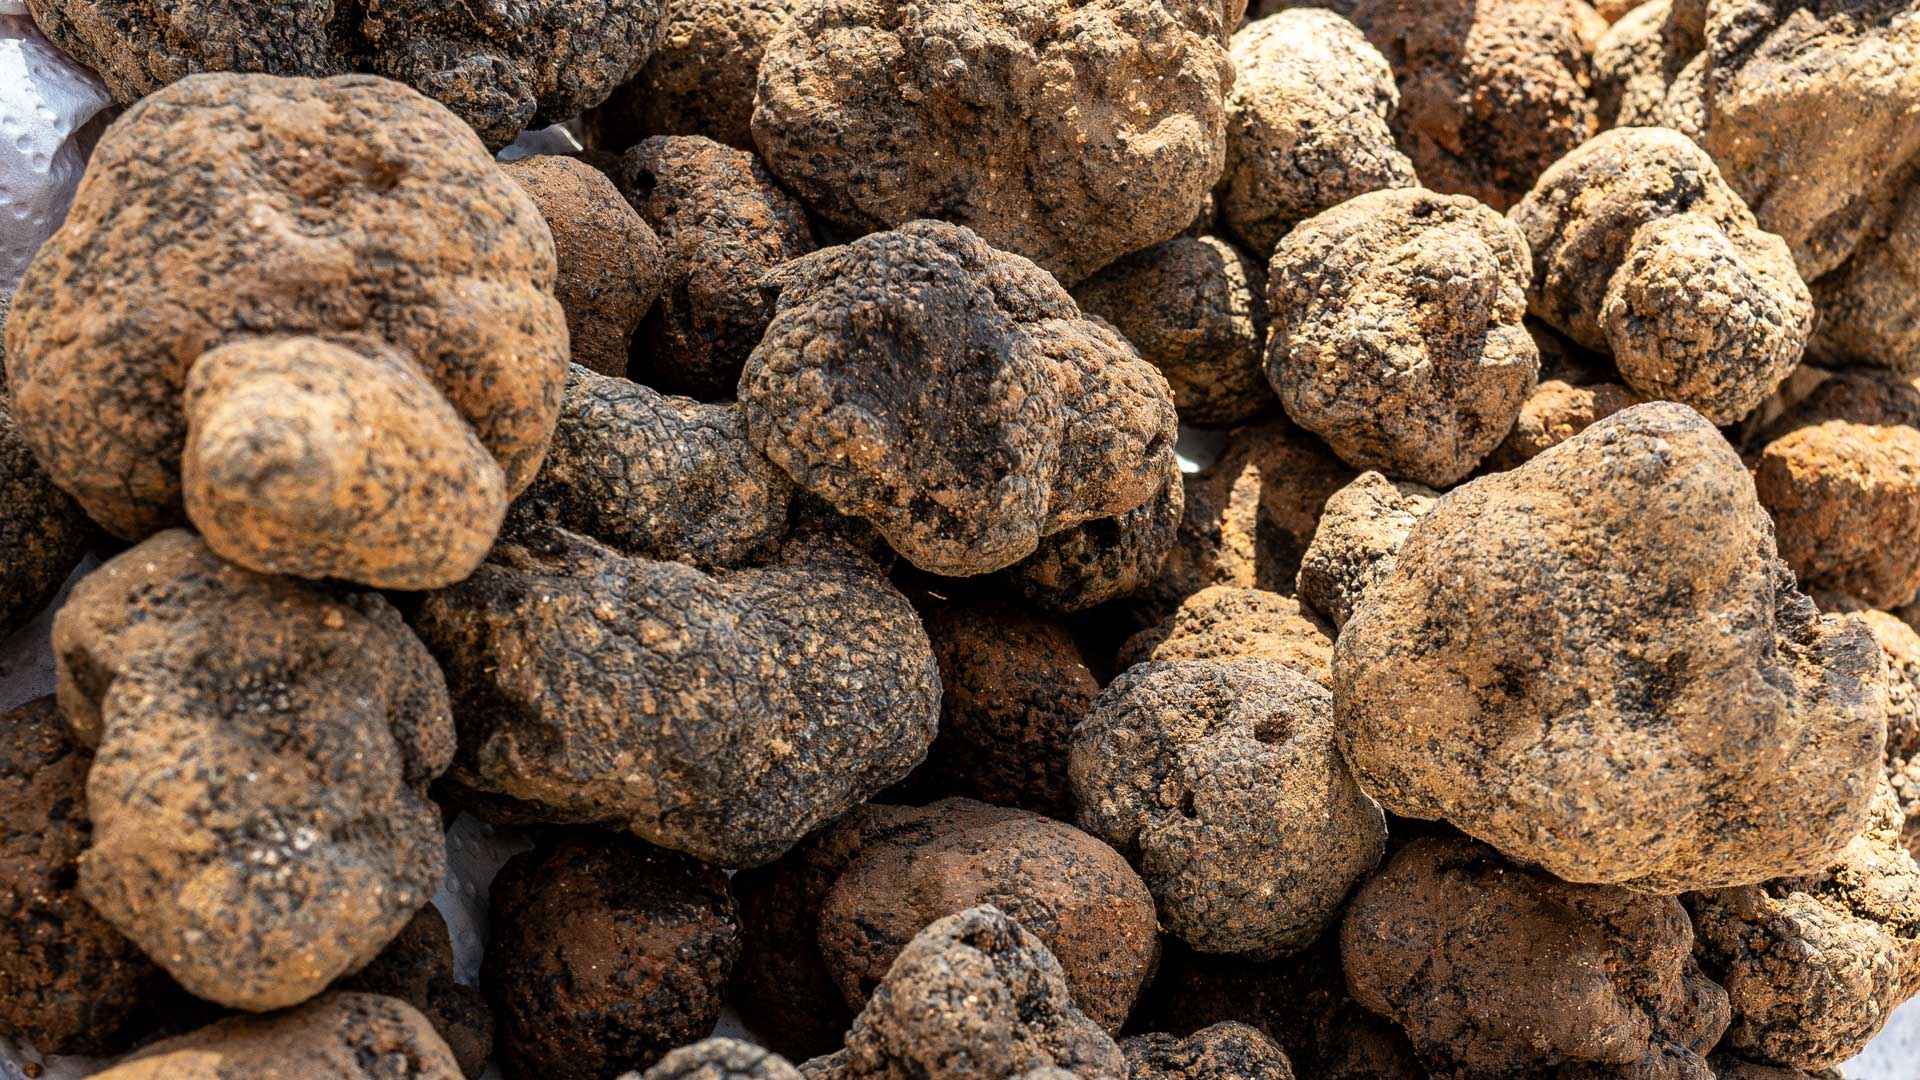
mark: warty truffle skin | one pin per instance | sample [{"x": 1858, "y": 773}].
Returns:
[
  {"x": 720, "y": 1058},
  {"x": 341, "y": 1036},
  {"x": 701, "y": 79},
  {"x": 1226, "y": 1051},
  {"x": 417, "y": 968},
  {"x": 43, "y": 533}
]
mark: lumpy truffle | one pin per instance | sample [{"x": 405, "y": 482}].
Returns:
[
  {"x": 417, "y": 968},
  {"x": 342, "y": 1036},
  {"x": 720, "y": 1059},
  {"x": 701, "y": 79},
  {"x": 1226, "y": 1051},
  {"x": 1361, "y": 527},
  {"x": 43, "y": 532}
]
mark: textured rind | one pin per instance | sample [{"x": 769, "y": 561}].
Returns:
[
  {"x": 1900, "y": 644},
  {"x": 605, "y": 954},
  {"x": 342, "y": 1036},
  {"x": 1226, "y": 1051},
  {"x": 1556, "y": 411},
  {"x": 1361, "y": 527},
  {"x": 417, "y": 968},
  {"x": 1219, "y": 780},
  {"x": 1221, "y": 622},
  {"x": 724, "y": 714},
  {"x": 720, "y": 1059},
  {"x": 1070, "y": 134},
  {"x": 701, "y": 79},
  {"x": 1641, "y": 249},
  {"x": 725, "y": 224},
  {"x": 1396, "y": 331},
  {"x": 1813, "y": 966},
  {"x": 258, "y": 791},
  {"x": 1306, "y": 125},
  {"x": 1597, "y": 663},
  {"x": 69, "y": 982},
  {"x": 232, "y": 207},
  {"x": 1497, "y": 970},
  {"x": 43, "y": 532},
  {"x": 1104, "y": 559},
  {"x": 501, "y": 67},
  {"x": 953, "y": 396},
  {"x": 1639, "y": 59}
]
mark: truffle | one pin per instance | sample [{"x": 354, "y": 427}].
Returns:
[
  {"x": 1642, "y": 250},
  {"x": 701, "y": 79},
  {"x": 1070, "y": 135},
  {"x": 501, "y": 69},
  {"x": 953, "y": 396},
  {"x": 1361, "y": 527},
  {"x": 1641, "y": 57},
  {"x": 725, "y": 224},
  {"x": 369, "y": 293},
  {"x": 605, "y": 954},
  {"x": 1196, "y": 308},
  {"x": 611, "y": 266},
  {"x": 341, "y": 1036},
  {"x": 1497, "y": 970},
  {"x": 1555, "y": 412},
  {"x": 1396, "y": 331},
  {"x": 1671, "y": 714},
  {"x": 720, "y": 1059},
  {"x": 1226, "y": 1051},
  {"x": 1219, "y": 780},
  {"x": 1814, "y": 965},
  {"x": 1105, "y": 559},
  {"x": 417, "y": 968},
  {"x": 1900, "y": 645},
  {"x": 258, "y": 792},
  {"x": 69, "y": 982},
  {"x": 1221, "y": 622},
  {"x": 1306, "y": 124},
  {"x": 725, "y": 715},
  {"x": 43, "y": 532}
]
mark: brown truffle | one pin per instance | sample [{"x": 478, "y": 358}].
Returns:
[
  {"x": 43, "y": 533},
  {"x": 1671, "y": 714},
  {"x": 1108, "y": 558},
  {"x": 953, "y": 396},
  {"x": 1221, "y": 622},
  {"x": 417, "y": 968},
  {"x": 1196, "y": 308},
  {"x": 700, "y": 81},
  {"x": 258, "y": 794},
  {"x": 340, "y": 1036},
  {"x": 69, "y": 982},
  {"x": 1220, "y": 781},
  {"x": 605, "y": 954},
  {"x": 720, "y": 1059},
  {"x": 611, "y": 266},
  {"x": 1642, "y": 250},
  {"x": 1641, "y": 57},
  {"x": 1226, "y": 1051},
  {"x": 1070, "y": 135},
  {"x": 1306, "y": 125},
  {"x": 370, "y": 294},
  {"x": 1814, "y": 965},
  {"x": 501, "y": 69},
  {"x": 1555, "y": 412},
  {"x": 1361, "y": 527},
  {"x": 1396, "y": 331},
  {"x": 1900, "y": 645},
  {"x": 1728, "y": 1066},
  {"x": 725, "y": 224},
  {"x": 1496, "y": 970}
]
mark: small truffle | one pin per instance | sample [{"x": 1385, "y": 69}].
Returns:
[
  {"x": 1306, "y": 125},
  {"x": 701, "y": 79},
  {"x": 1070, "y": 134},
  {"x": 1222, "y": 1052},
  {"x": 1361, "y": 527},
  {"x": 720, "y": 1059},
  {"x": 1196, "y": 308},
  {"x": 1221, "y": 622},
  {"x": 725, "y": 224},
  {"x": 1396, "y": 331},
  {"x": 258, "y": 792},
  {"x": 1671, "y": 714},
  {"x": 1496, "y": 970},
  {"x": 341, "y": 1036},
  {"x": 1104, "y": 559},
  {"x": 611, "y": 266},
  {"x": 43, "y": 532},
  {"x": 1220, "y": 781},
  {"x": 1640, "y": 249},
  {"x": 953, "y": 396},
  {"x": 605, "y": 954},
  {"x": 1555, "y": 412},
  {"x": 417, "y": 968},
  {"x": 69, "y": 982},
  {"x": 1641, "y": 57}
]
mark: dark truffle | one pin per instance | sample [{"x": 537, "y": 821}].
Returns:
[
  {"x": 1227, "y": 1051},
  {"x": 43, "y": 533},
  {"x": 700, "y": 81},
  {"x": 417, "y": 968}
]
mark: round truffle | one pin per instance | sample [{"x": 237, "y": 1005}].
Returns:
[
  {"x": 1555, "y": 412},
  {"x": 342, "y": 1036},
  {"x": 1222, "y": 622},
  {"x": 720, "y": 1059}
]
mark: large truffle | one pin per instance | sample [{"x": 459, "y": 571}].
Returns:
[
  {"x": 1496, "y": 970},
  {"x": 725, "y": 224},
  {"x": 1396, "y": 331},
  {"x": 417, "y": 968},
  {"x": 1220, "y": 781},
  {"x": 701, "y": 79},
  {"x": 605, "y": 954},
  {"x": 1814, "y": 965},
  {"x": 1222, "y": 622},
  {"x": 1671, "y": 714},
  {"x": 322, "y": 302},
  {"x": 69, "y": 982},
  {"x": 953, "y": 396},
  {"x": 1226, "y": 1051},
  {"x": 1641, "y": 249},
  {"x": 43, "y": 532},
  {"x": 1306, "y": 124},
  {"x": 340, "y": 1036},
  {"x": 258, "y": 792},
  {"x": 1070, "y": 135},
  {"x": 500, "y": 68},
  {"x": 723, "y": 714}
]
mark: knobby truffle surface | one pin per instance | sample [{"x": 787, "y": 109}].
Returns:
[{"x": 344, "y": 1036}]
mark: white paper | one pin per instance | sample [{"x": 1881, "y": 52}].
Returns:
[{"x": 48, "y": 111}]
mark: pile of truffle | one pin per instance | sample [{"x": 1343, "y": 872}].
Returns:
[{"x": 774, "y": 509}]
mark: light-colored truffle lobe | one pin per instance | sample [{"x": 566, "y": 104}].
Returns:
[
  {"x": 1361, "y": 527},
  {"x": 1396, "y": 331},
  {"x": 1814, "y": 965},
  {"x": 1222, "y": 621},
  {"x": 952, "y": 396},
  {"x": 1498, "y": 970},
  {"x": 258, "y": 793},
  {"x": 720, "y": 1058},
  {"x": 1219, "y": 780},
  {"x": 1070, "y": 135},
  {"x": 1306, "y": 124},
  {"x": 1641, "y": 249},
  {"x": 340, "y": 1036},
  {"x": 1670, "y": 714},
  {"x": 1555, "y": 412}
]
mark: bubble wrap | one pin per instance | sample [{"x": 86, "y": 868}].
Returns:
[{"x": 51, "y": 111}]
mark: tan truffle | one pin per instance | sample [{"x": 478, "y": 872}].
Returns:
[
  {"x": 341, "y": 1036},
  {"x": 1221, "y": 622},
  {"x": 720, "y": 1059},
  {"x": 1396, "y": 331},
  {"x": 1671, "y": 714},
  {"x": 1900, "y": 644},
  {"x": 1361, "y": 527},
  {"x": 1555, "y": 412},
  {"x": 1640, "y": 58}
]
